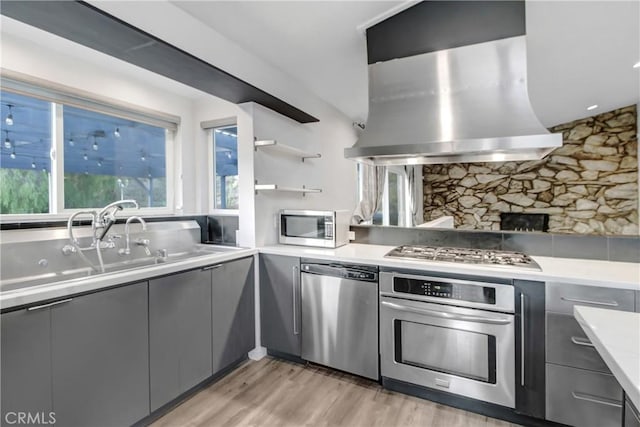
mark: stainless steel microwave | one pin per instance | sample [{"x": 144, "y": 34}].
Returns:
[{"x": 325, "y": 229}]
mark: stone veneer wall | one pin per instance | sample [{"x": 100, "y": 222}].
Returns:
[{"x": 587, "y": 186}]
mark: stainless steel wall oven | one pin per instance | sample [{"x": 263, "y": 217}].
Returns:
[{"x": 449, "y": 334}]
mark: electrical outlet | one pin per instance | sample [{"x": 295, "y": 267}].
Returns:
[{"x": 352, "y": 235}]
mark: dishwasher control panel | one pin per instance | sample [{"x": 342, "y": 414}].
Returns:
[{"x": 345, "y": 271}]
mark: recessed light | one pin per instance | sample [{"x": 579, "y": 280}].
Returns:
[
  {"x": 592, "y": 107},
  {"x": 636, "y": 65}
]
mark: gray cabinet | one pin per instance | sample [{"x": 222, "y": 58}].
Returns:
[
  {"x": 578, "y": 397},
  {"x": 179, "y": 334},
  {"x": 100, "y": 358},
  {"x": 26, "y": 362},
  {"x": 569, "y": 345},
  {"x": 280, "y": 303},
  {"x": 580, "y": 389},
  {"x": 530, "y": 348},
  {"x": 233, "y": 314}
]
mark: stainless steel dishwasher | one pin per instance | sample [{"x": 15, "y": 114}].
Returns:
[{"x": 340, "y": 316}]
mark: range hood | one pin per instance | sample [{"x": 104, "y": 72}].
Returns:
[{"x": 460, "y": 105}]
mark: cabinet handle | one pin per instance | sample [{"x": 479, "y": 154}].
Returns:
[
  {"x": 581, "y": 341},
  {"x": 295, "y": 274},
  {"x": 586, "y": 301},
  {"x": 51, "y": 304},
  {"x": 595, "y": 399},
  {"x": 522, "y": 348},
  {"x": 212, "y": 267}
]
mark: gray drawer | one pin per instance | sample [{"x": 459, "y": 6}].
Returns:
[
  {"x": 568, "y": 345},
  {"x": 583, "y": 398},
  {"x": 561, "y": 297}
]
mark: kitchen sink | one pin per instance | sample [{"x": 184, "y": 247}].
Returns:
[{"x": 157, "y": 258}]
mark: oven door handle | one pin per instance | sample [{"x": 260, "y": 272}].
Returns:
[{"x": 446, "y": 315}]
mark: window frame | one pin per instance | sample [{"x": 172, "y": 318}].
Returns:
[
  {"x": 210, "y": 128},
  {"x": 59, "y": 96}
]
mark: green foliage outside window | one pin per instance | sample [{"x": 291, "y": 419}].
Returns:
[{"x": 24, "y": 191}]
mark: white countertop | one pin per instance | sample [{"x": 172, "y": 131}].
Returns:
[
  {"x": 622, "y": 275},
  {"x": 616, "y": 337}
]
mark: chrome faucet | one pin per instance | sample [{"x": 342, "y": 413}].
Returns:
[
  {"x": 139, "y": 242},
  {"x": 101, "y": 222},
  {"x": 107, "y": 217}
]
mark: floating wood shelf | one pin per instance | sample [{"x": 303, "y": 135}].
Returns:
[
  {"x": 275, "y": 146},
  {"x": 282, "y": 188}
]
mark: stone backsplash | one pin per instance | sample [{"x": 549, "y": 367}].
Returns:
[{"x": 587, "y": 186}]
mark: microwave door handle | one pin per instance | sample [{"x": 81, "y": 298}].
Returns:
[{"x": 449, "y": 316}]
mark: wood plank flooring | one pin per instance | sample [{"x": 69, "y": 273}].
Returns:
[{"x": 273, "y": 392}]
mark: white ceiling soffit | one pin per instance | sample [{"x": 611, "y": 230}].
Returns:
[
  {"x": 581, "y": 53},
  {"x": 317, "y": 42},
  {"x": 17, "y": 32}
]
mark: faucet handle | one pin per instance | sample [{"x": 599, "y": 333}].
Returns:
[
  {"x": 142, "y": 242},
  {"x": 145, "y": 244}
]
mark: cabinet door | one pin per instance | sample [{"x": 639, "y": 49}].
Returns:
[
  {"x": 179, "y": 334},
  {"x": 26, "y": 363},
  {"x": 100, "y": 351},
  {"x": 233, "y": 315},
  {"x": 280, "y": 303},
  {"x": 530, "y": 348}
]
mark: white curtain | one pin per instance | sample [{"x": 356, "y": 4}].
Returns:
[
  {"x": 371, "y": 189},
  {"x": 413, "y": 205}
]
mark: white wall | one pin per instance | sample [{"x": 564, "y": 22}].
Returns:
[
  {"x": 46, "y": 56},
  {"x": 332, "y": 173}
]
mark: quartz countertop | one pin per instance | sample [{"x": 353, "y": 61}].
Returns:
[
  {"x": 616, "y": 337},
  {"x": 622, "y": 275}
]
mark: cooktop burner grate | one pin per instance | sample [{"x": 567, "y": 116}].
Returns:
[{"x": 464, "y": 256}]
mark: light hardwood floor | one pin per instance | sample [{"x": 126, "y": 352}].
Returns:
[{"x": 272, "y": 392}]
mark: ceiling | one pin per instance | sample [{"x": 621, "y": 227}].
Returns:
[
  {"x": 579, "y": 52},
  {"x": 316, "y": 42}
]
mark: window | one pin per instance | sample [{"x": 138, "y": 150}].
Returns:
[
  {"x": 57, "y": 156},
  {"x": 25, "y": 164},
  {"x": 225, "y": 167},
  {"x": 108, "y": 158},
  {"x": 395, "y": 206}
]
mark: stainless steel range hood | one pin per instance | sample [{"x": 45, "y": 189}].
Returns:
[{"x": 461, "y": 105}]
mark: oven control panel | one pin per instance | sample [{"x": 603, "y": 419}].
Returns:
[{"x": 442, "y": 289}]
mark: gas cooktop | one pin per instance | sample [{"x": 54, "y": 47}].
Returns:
[{"x": 465, "y": 256}]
